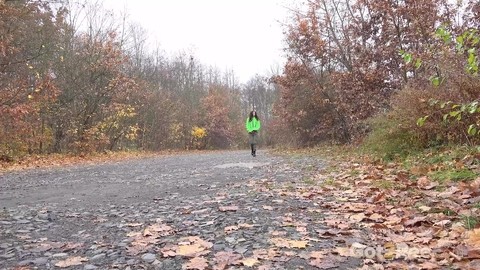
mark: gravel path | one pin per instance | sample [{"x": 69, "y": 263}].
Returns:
[{"x": 190, "y": 211}]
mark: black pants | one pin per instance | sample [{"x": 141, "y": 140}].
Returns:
[{"x": 253, "y": 141}]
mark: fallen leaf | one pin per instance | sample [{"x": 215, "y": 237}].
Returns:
[
  {"x": 286, "y": 243},
  {"x": 343, "y": 251},
  {"x": 473, "y": 238},
  {"x": 231, "y": 208},
  {"x": 190, "y": 250},
  {"x": 376, "y": 217},
  {"x": 134, "y": 234},
  {"x": 424, "y": 208},
  {"x": 169, "y": 253},
  {"x": 302, "y": 230},
  {"x": 193, "y": 246},
  {"x": 71, "y": 246},
  {"x": 72, "y": 261},
  {"x": 280, "y": 242},
  {"x": 357, "y": 217},
  {"x": 423, "y": 182},
  {"x": 298, "y": 244},
  {"x": 224, "y": 259},
  {"x": 265, "y": 267},
  {"x": 441, "y": 243},
  {"x": 429, "y": 265},
  {"x": 415, "y": 221},
  {"x": 267, "y": 207},
  {"x": 443, "y": 223},
  {"x": 475, "y": 184},
  {"x": 473, "y": 253},
  {"x": 316, "y": 255},
  {"x": 250, "y": 262},
  {"x": 279, "y": 233},
  {"x": 134, "y": 224},
  {"x": 230, "y": 229},
  {"x": 197, "y": 263},
  {"x": 161, "y": 228}
]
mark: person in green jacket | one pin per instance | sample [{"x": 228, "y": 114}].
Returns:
[{"x": 253, "y": 126}]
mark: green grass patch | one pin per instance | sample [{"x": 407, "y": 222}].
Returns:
[
  {"x": 354, "y": 172},
  {"x": 328, "y": 182},
  {"x": 308, "y": 181},
  {"x": 384, "y": 184},
  {"x": 470, "y": 222},
  {"x": 449, "y": 212},
  {"x": 477, "y": 205},
  {"x": 290, "y": 188},
  {"x": 454, "y": 175}
]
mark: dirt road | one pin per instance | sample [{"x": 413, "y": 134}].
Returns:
[{"x": 189, "y": 211}]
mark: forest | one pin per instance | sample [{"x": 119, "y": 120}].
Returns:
[{"x": 395, "y": 75}]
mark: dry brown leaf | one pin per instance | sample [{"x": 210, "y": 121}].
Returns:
[
  {"x": 72, "y": 261},
  {"x": 429, "y": 265},
  {"x": 71, "y": 246},
  {"x": 424, "y": 208},
  {"x": 475, "y": 184},
  {"x": 280, "y": 242},
  {"x": 230, "y": 229},
  {"x": 302, "y": 230},
  {"x": 147, "y": 232},
  {"x": 190, "y": 250},
  {"x": 316, "y": 255},
  {"x": 231, "y": 208},
  {"x": 423, "y": 182},
  {"x": 161, "y": 228},
  {"x": 224, "y": 259},
  {"x": 473, "y": 253},
  {"x": 290, "y": 253},
  {"x": 193, "y": 246},
  {"x": 441, "y": 243},
  {"x": 134, "y": 224},
  {"x": 286, "y": 243},
  {"x": 357, "y": 217},
  {"x": 169, "y": 253},
  {"x": 380, "y": 197},
  {"x": 473, "y": 238},
  {"x": 197, "y": 263},
  {"x": 415, "y": 221},
  {"x": 245, "y": 225},
  {"x": 298, "y": 244},
  {"x": 250, "y": 262},
  {"x": 267, "y": 207},
  {"x": 265, "y": 267},
  {"x": 376, "y": 217},
  {"x": 279, "y": 233},
  {"x": 342, "y": 251},
  {"x": 134, "y": 234}
]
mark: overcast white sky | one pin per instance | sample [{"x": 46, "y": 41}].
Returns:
[{"x": 243, "y": 35}]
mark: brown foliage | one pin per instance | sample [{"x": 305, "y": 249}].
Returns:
[
  {"x": 415, "y": 101},
  {"x": 26, "y": 81},
  {"x": 220, "y": 115},
  {"x": 345, "y": 63}
]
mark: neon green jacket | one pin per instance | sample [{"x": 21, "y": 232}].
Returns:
[{"x": 253, "y": 125}]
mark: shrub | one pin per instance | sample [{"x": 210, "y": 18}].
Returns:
[{"x": 390, "y": 138}]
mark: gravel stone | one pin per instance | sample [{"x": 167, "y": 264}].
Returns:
[{"x": 148, "y": 257}]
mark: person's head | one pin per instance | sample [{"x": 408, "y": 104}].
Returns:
[{"x": 253, "y": 114}]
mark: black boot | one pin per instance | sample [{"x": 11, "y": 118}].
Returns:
[{"x": 253, "y": 152}]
